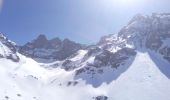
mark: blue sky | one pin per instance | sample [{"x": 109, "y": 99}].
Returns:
[{"x": 84, "y": 21}]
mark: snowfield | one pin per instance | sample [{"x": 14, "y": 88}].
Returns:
[
  {"x": 131, "y": 65},
  {"x": 26, "y": 80}
]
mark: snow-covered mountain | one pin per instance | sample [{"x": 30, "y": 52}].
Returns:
[
  {"x": 7, "y": 49},
  {"x": 133, "y": 64},
  {"x": 43, "y": 50},
  {"x": 142, "y": 34}
]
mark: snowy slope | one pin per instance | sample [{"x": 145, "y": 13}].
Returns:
[{"x": 143, "y": 80}]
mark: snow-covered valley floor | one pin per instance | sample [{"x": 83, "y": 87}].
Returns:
[{"x": 26, "y": 80}]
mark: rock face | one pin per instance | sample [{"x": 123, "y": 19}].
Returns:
[
  {"x": 101, "y": 98},
  {"x": 8, "y": 49},
  {"x": 151, "y": 32},
  {"x": 42, "y": 49}
]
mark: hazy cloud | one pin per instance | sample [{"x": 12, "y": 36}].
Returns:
[{"x": 1, "y": 4}]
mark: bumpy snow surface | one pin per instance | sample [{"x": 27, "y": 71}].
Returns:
[{"x": 26, "y": 80}]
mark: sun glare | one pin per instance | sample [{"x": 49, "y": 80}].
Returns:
[
  {"x": 128, "y": 2},
  {"x": 123, "y": 3}
]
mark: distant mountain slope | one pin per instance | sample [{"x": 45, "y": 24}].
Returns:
[{"x": 43, "y": 50}]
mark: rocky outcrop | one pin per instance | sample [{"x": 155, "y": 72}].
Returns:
[
  {"x": 8, "y": 49},
  {"x": 107, "y": 59},
  {"x": 101, "y": 98}
]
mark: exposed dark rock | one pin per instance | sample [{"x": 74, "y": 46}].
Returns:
[
  {"x": 68, "y": 65},
  {"x": 101, "y": 98},
  {"x": 102, "y": 59},
  {"x": 119, "y": 57},
  {"x": 40, "y": 42},
  {"x": 13, "y": 57},
  {"x": 166, "y": 53},
  {"x": 73, "y": 83},
  {"x": 54, "y": 49},
  {"x": 106, "y": 59},
  {"x": 93, "y": 51},
  {"x": 6, "y": 97},
  {"x": 80, "y": 71}
]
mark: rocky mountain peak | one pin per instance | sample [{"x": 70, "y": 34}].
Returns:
[
  {"x": 147, "y": 31},
  {"x": 56, "y": 39},
  {"x": 2, "y": 36},
  {"x": 49, "y": 50},
  {"x": 41, "y": 37},
  {"x": 40, "y": 42},
  {"x": 142, "y": 33},
  {"x": 138, "y": 17}
]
